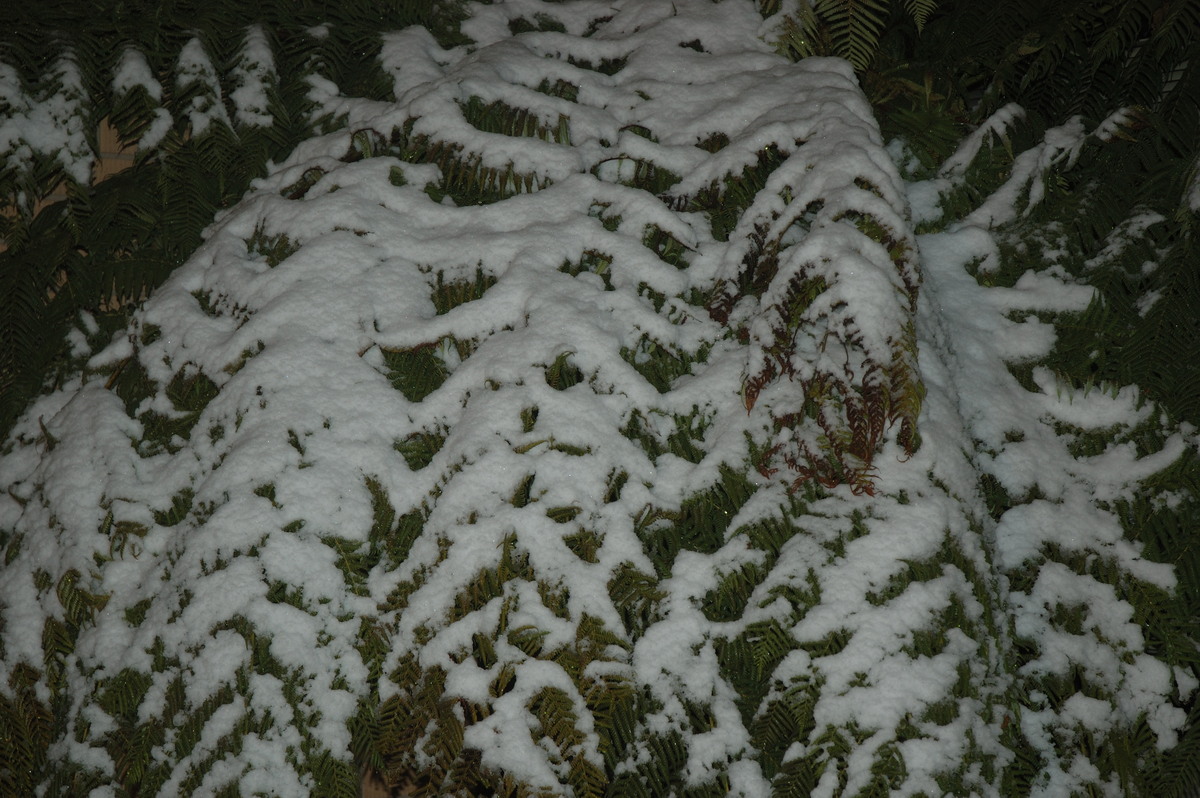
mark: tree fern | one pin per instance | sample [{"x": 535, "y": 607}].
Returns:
[
  {"x": 534, "y": 430},
  {"x": 550, "y": 656}
]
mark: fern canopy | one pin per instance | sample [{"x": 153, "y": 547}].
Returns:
[{"x": 541, "y": 398}]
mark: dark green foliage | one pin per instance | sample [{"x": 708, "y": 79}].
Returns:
[
  {"x": 560, "y": 88},
  {"x": 1113, "y": 220},
  {"x": 298, "y": 189},
  {"x": 273, "y": 249},
  {"x": 1118, "y": 342},
  {"x": 523, "y": 493},
  {"x": 666, "y": 755},
  {"x": 635, "y": 429},
  {"x": 585, "y": 544},
  {"x": 616, "y": 483},
  {"x": 399, "y": 540},
  {"x": 181, "y": 505},
  {"x": 665, "y": 246},
  {"x": 541, "y": 22},
  {"x": 562, "y": 373},
  {"x": 651, "y": 177},
  {"x": 701, "y": 524},
  {"x": 189, "y": 390},
  {"x": 613, "y": 703},
  {"x": 636, "y": 596},
  {"x": 606, "y": 66},
  {"x": 137, "y": 613},
  {"x": 659, "y": 365},
  {"x": 785, "y": 719},
  {"x": 355, "y": 560},
  {"x": 728, "y": 601},
  {"x": 1173, "y": 773},
  {"x": 1116, "y": 216},
  {"x": 132, "y": 384},
  {"x": 28, "y": 730},
  {"x": 419, "y": 448},
  {"x": 122, "y": 694},
  {"x": 1072, "y": 57},
  {"x": 500, "y": 117},
  {"x": 856, "y": 31},
  {"x": 416, "y": 373},
  {"x": 449, "y": 295},
  {"x": 725, "y": 204},
  {"x": 464, "y": 178},
  {"x": 422, "y": 754}
]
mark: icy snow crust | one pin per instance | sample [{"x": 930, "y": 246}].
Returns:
[{"x": 246, "y": 567}]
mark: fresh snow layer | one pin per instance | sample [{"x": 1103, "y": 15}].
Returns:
[{"x": 277, "y": 475}]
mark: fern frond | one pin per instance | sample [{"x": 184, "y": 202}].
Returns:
[
  {"x": 854, "y": 27},
  {"x": 920, "y": 11}
]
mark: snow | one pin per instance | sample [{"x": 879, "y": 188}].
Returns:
[
  {"x": 1023, "y": 452},
  {"x": 49, "y": 124},
  {"x": 916, "y": 581},
  {"x": 133, "y": 72},
  {"x": 1026, "y": 185},
  {"x": 195, "y": 72},
  {"x": 254, "y": 73},
  {"x": 994, "y": 127}
]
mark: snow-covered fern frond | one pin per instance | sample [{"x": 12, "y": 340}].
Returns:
[{"x": 545, "y": 423}]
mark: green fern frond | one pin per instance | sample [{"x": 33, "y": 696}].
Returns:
[
  {"x": 1176, "y": 774},
  {"x": 799, "y": 35},
  {"x": 785, "y": 719},
  {"x": 854, "y": 27},
  {"x": 563, "y": 373},
  {"x": 636, "y": 597},
  {"x": 415, "y": 372},
  {"x": 28, "y": 725},
  {"x": 419, "y": 448},
  {"x": 500, "y": 117},
  {"x": 123, "y": 694},
  {"x": 920, "y": 10},
  {"x": 448, "y": 295}
]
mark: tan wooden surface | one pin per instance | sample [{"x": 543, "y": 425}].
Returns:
[
  {"x": 373, "y": 787},
  {"x": 112, "y": 156}
]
